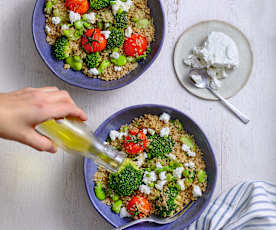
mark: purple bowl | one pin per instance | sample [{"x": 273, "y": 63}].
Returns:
[
  {"x": 126, "y": 116},
  {"x": 78, "y": 78}
]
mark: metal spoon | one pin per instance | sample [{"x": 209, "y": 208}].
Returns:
[
  {"x": 156, "y": 220},
  {"x": 204, "y": 84}
]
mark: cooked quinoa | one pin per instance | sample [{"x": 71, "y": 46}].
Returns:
[
  {"x": 182, "y": 154},
  {"x": 58, "y": 21}
]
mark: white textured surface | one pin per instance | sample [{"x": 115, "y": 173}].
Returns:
[{"x": 41, "y": 191}]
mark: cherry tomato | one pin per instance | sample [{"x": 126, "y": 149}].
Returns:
[
  {"x": 93, "y": 41},
  {"x": 135, "y": 142},
  {"x": 138, "y": 207},
  {"x": 135, "y": 46},
  {"x": 78, "y": 6}
]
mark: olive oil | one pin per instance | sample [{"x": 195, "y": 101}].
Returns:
[{"x": 75, "y": 137}]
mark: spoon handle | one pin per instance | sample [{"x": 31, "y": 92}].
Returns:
[{"x": 231, "y": 107}]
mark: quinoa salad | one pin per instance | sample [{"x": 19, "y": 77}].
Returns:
[
  {"x": 104, "y": 39},
  {"x": 164, "y": 170}
]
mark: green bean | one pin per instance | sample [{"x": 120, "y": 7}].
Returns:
[
  {"x": 87, "y": 25},
  {"x": 100, "y": 25},
  {"x": 67, "y": 33},
  {"x": 151, "y": 185},
  {"x": 117, "y": 206},
  {"x": 121, "y": 61},
  {"x": 186, "y": 173},
  {"x": 100, "y": 193},
  {"x": 115, "y": 197},
  {"x": 103, "y": 66},
  {"x": 74, "y": 62},
  {"x": 142, "y": 23},
  {"x": 56, "y": 12},
  {"x": 116, "y": 49},
  {"x": 201, "y": 176},
  {"x": 48, "y": 7},
  {"x": 166, "y": 168},
  {"x": 188, "y": 181},
  {"x": 125, "y": 129},
  {"x": 78, "y": 25}
]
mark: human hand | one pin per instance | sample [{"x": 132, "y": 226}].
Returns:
[{"x": 22, "y": 110}]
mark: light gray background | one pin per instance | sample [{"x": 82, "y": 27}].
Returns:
[{"x": 42, "y": 191}]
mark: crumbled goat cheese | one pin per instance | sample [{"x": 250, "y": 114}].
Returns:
[
  {"x": 106, "y": 33},
  {"x": 91, "y": 18},
  {"x": 120, "y": 5},
  {"x": 115, "y": 55},
  {"x": 197, "y": 191},
  {"x": 124, "y": 213},
  {"x": 47, "y": 29},
  {"x": 215, "y": 83},
  {"x": 160, "y": 184},
  {"x": 149, "y": 177},
  {"x": 178, "y": 172},
  {"x": 188, "y": 150},
  {"x": 145, "y": 131},
  {"x": 151, "y": 131},
  {"x": 189, "y": 164},
  {"x": 56, "y": 20},
  {"x": 172, "y": 156},
  {"x": 113, "y": 135},
  {"x": 162, "y": 175},
  {"x": 107, "y": 24},
  {"x": 165, "y": 132},
  {"x": 128, "y": 31},
  {"x": 158, "y": 165},
  {"x": 194, "y": 62},
  {"x": 64, "y": 27},
  {"x": 117, "y": 68},
  {"x": 93, "y": 71},
  {"x": 141, "y": 159},
  {"x": 74, "y": 16},
  {"x": 181, "y": 184},
  {"x": 144, "y": 189},
  {"x": 217, "y": 54},
  {"x": 165, "y": 117},
  {"x": 121, "y": 135}
]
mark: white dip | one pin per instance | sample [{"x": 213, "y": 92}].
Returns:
[{"x": 218, "y": 54}]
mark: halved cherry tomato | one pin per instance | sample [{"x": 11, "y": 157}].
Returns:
[
  {"x": 135, "y": 46},
  {"x": 78, "y": 6},
  {"x": 138, "y": 207},
  {"x": 93, "y": 41},
  {"x": 135, "y": 142}
]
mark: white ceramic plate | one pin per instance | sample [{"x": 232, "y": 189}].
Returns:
[{"x": 194, "y": 36}]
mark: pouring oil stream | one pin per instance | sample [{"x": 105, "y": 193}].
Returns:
[{"x": 75, "y": 137}]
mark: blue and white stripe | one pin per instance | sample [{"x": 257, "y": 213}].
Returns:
[{"x": 249, "y": 205}]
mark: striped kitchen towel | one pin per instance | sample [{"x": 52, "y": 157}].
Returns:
[{"x": 249, "y": 205}]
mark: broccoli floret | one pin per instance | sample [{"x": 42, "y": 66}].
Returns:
[
  {"x": 126, "y": 180},
  {"x": 116, "y": 38},
  {"x": 160, "y": 146},
  {"x": 166, "y": 210},
  {"x": 99, "y": 4},
  {"x": 61, "y": 49},
  {"x": 121, "y": 20},
  {"x": 92, "y": 60}
]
